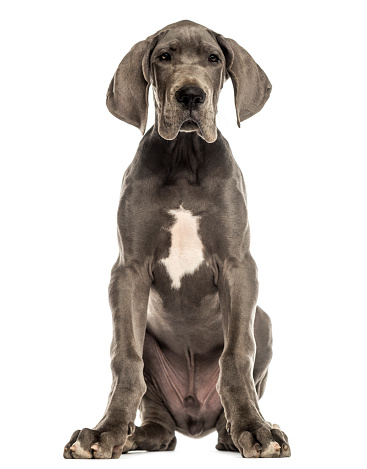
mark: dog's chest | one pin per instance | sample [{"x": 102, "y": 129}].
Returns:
[{"x": 186, "y": 248}]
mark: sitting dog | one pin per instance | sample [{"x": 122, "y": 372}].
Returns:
[{"x": 190, "y": 348}]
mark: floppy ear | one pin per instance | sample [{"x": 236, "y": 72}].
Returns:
[
  {"x": 252, "y": 87},
  {"x": 127, "y": 95}
]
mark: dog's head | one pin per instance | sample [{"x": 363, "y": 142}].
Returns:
[{"x": 186, "y": 64}]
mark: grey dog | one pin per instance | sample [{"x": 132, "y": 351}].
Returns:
[{"x": 190, "y": 347}]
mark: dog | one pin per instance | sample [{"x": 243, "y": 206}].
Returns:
[{"x": 191, "y": 348}]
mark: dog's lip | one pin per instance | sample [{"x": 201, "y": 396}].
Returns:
[{"x": 189, "y": 125}]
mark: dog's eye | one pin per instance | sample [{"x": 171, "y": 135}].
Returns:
[
  {"x": 213, "y": 58},
  {"x": 165, "y": 57}
]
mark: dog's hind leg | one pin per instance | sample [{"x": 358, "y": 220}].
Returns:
[
  {"x": 264, "y": 352},
  {"x": 225, "y": 442},
  {"x": 157, "y": 432}
]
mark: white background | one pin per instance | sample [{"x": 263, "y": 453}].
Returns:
[{"x": 62, "y": 161}]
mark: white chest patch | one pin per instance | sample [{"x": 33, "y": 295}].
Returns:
[{"x": 186, "y": 251}]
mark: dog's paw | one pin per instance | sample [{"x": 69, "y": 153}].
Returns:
[
  {"x": 94, "y": 444},
  {"x": 265, "y": 442}
]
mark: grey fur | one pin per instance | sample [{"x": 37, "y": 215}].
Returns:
[{"x": 195, "y": 357}]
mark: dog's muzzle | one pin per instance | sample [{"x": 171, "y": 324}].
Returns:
[{"x": 188, "y": 109}]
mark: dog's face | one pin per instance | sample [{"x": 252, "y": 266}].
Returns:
[
  {"x": 188, "y": 69},
  {"x": 187, "y": 65}
]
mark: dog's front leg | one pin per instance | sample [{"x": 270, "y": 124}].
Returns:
[
  {"x": 238, "y": 291},
  {"x": 128, "y": 292}
]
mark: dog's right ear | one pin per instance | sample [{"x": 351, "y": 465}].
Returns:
[
  {"x": 127, "y": 95},
  {"x": 252, "y": 87}
]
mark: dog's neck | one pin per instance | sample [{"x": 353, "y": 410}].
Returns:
[{"x": 186, "y": 156}]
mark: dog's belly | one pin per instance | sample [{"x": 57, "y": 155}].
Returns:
[
  {"x": 184, "y": 341},
  {"x": 185, "y": 385}
]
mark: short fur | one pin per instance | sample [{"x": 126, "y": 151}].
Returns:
[{"x": 190, "y": 347}]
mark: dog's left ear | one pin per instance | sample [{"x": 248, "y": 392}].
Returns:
[
  {"x": 252, "y": 87},
  {"x": 127, "y": 95}
]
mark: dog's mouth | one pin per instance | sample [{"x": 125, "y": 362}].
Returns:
[
  {"x": 189, "y": 126},
  {"x": 170, "y": 124}
]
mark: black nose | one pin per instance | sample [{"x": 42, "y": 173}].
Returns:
[{"x": 190, "y": 96}]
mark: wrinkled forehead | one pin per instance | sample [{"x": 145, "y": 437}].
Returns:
[{"x": 188, "y": 40}]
